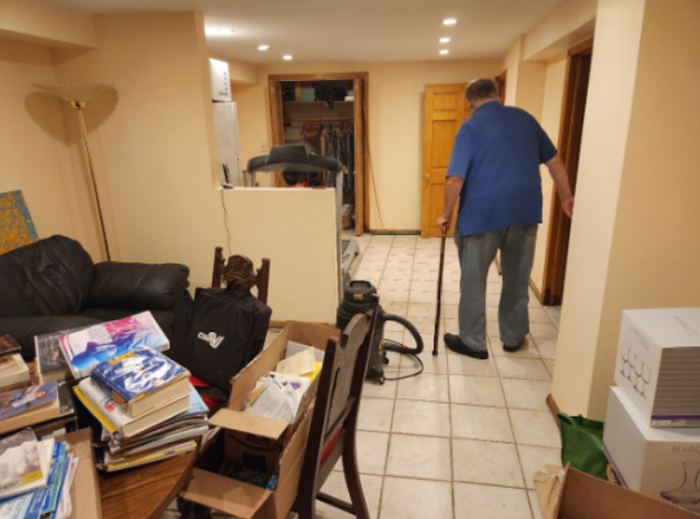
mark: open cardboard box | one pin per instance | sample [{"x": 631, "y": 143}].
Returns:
[
  {"x": 571, "y": 494},
  {"x": 272, "y": 446},
  {"x": 85, "y": 493}
]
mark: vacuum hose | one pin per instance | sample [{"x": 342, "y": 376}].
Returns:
[{"x": 390, "y": 345}]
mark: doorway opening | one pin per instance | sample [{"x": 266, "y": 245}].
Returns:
[
  {"x": 573, "y": 114},
  {"x": 329, "y": 113}
]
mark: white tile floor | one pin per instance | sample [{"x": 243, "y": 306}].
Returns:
[{"x": 465, "y": 438}]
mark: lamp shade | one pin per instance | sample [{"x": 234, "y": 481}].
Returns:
[{"x": 75, "y": 92}]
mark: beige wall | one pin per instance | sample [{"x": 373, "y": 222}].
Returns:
[
  {"x": 571, "y": 22},
  {"x": 303, "y": 274},
  {"x": 524, "y": 80},
  {"x": 555, "y": 78},
  {"x": 33, "y": 152},
  {"x": 46, "y": 23},
  {"x": 151, "y": 138},
  {"x": 601, "y": 168},
  {"x": 656, "y": 245},
  {"x": 395, "y": 119}
]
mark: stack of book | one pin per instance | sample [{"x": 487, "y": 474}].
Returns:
[
  {"x": 146, "y": 407},
  {"x": 35, "y": 477},
  {"x": 13, "y": 371}
]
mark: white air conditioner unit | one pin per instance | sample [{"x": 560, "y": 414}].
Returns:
[{"x": 220, "y": 80}]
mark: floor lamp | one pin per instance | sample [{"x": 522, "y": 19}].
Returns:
[{"x": 77, "y": 94}]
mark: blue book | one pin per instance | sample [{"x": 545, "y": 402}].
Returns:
[{"x": 142, "y": 380}]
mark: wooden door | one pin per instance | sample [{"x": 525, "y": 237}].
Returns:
[
  {"x": 446, "y": 108},
  {"x": 360, "y": 91},
  {"x": 573, "y": 113}
]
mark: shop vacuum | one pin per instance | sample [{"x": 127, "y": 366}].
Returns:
[{"x": 357, "y": 298}]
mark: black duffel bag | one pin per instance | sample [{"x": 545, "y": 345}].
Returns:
[{"x": 227, "y": 331}]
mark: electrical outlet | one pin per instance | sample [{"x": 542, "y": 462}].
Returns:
[{"x": 263, "y": 147}]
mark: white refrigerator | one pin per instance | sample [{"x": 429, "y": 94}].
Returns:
[{"x": 227, "y": 145}]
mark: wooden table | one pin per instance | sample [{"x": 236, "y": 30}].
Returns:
[{"x": 144, "y": 492}]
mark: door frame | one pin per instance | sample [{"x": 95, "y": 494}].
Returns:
[
  {"x": 570, "y": 134},
  {"x": 501, "y": 80},
  {"x": 361, "y": 117}
]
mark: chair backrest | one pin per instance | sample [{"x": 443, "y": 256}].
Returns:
[
  {"x": 339, "y": 390},
  {"x": 239, "y": 270}
]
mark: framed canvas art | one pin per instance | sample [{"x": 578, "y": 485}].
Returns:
[{"x": 16, "y": 225}]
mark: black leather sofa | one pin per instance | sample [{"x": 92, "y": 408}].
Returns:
[{"x": 53, "y": 285}]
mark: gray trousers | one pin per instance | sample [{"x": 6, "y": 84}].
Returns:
[{"x": 476, "y": 253}]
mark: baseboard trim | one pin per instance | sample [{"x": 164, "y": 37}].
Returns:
[
  {"x": 536, "y": 290},
  {"x": 282, "y": 324},
  {"x": 553, "y": 408},
  {"x": 386, "y": 232}
]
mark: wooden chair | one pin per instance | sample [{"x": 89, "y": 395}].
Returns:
[
  {"x": 332, "y": 432},
  {"x": 239, "y": 270}
]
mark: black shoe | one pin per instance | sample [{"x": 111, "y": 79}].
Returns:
[
  {"x": 454, "y": 343},
  {"x": 513, "y": 349}
]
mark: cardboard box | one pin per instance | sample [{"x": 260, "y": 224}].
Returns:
[
  {"x": 85, "y": 492},
  {"x": 660, "y": 463},
  {"x": 658, "y": 364},
  {"x": 571, "y": 494},
  {"x": 275, "y": 446}
]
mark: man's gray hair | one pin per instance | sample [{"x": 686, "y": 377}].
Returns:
[{"x": 481, "y": 89}]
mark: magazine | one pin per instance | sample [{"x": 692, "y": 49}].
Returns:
[
  {"x": 22, "y": 400},
  {"x": 86, "y": 348},
  {"x": 19, "y": 460}
]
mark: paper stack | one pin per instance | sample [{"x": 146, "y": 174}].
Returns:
[
  {"x": 35, "y": 477},
  {"x": 280, "y": 394}
]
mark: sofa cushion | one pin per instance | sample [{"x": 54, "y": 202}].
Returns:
[
  {"x": 50, "y": 277},
  {"x": 23, "y": 329}
]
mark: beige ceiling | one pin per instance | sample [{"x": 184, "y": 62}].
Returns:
[{"x": 351, "y": 30}]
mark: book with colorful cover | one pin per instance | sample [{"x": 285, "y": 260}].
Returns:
[
  {"x": 19, "y": 401},
  {"x": 86, "y": 348},
  {"x": 51, "y": 364},
  {"x": 142, "y": 379}
]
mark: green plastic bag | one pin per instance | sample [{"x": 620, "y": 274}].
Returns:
[{"x": 582, "y": 445}]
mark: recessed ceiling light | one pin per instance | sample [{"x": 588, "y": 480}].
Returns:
[
  {"x": 287, "y": 57},
  {"x": 445, "y": 40},
  {"x": 218, "y": 31},
  {"x": 449, "y": 21},
  {"x": 263, "y": 47},
  {"x": 444, "y": 51}
]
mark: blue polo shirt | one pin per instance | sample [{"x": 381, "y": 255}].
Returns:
[{"x": 498, "y": 152}]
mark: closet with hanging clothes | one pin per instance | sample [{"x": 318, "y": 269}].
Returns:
[{"x": 328, "y": 114}]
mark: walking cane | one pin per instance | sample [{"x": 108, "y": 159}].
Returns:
[{"x": 436, "y": 337}]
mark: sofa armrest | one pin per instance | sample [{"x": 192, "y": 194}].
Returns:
[{"x": 137, "y": 285}]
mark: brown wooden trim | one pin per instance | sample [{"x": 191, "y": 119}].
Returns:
[
  {"x": 501, "y": 80},
  {"x": 553, "y": 408},
  {"x": 585, "y": 47},
  {"x": 536, "y": 290},
  {"x": 363, "y": 96},
  {"x": 282, "y": 324},
  {"x": 570, "y": 133},
  {"x": 398, "y": 232},
  {"x": 318, "y": 77}
]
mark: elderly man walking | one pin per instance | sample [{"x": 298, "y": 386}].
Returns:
[{"x": 494, "y": 171}]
